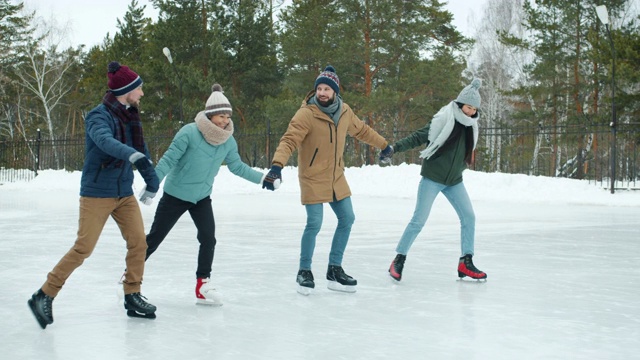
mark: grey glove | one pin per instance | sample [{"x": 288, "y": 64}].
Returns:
[{"x": 146, "y": 197}]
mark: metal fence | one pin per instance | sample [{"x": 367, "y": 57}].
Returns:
[{"x": 574, "y": 152}]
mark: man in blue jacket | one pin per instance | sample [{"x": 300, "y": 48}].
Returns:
[{"x": 113, "y": 142}]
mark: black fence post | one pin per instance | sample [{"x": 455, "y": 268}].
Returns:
[
  {"x": 38, "y": 140},
  {"x": 268, "y": 143}
]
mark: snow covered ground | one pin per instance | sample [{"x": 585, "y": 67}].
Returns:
[{"x": 560, "y": 255}]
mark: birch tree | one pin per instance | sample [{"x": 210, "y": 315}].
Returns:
[
  {"x": 15, "y": 30},
  {"x": 43, "y": 73},
  {"x": 500, "y": 68}
]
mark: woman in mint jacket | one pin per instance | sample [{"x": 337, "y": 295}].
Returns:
[{"x": 190, "y": 165}]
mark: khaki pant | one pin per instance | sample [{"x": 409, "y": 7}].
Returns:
[{"x": 94, "y": 213}]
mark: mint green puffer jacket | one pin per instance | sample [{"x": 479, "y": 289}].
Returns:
[{"x": 191, "y": 164}]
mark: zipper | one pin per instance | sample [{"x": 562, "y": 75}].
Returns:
[
  {"x": 120, "y": 177},
  {"x": 335, "y": 156},
  {"x": 95, "y": 178}
]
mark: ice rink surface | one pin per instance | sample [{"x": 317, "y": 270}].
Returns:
[{"x": 561, "y": 277}]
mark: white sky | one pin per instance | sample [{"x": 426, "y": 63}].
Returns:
[
  {"x": 89, "y": 22},
  {"x": 558, "y": 254}
]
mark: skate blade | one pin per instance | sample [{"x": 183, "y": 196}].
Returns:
[
  {"x": 135, "y": 314},
  {"x": 303, "y": 290},
  {"x": 41, "y": 321},
  {"x": 471, "y": 280},
  {"x": 336, "y": 286},
  {"x": 209, "y": 302}
]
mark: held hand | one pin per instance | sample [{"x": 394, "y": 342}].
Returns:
[
  {"x": 140, "y": 161},
  {"x": 146, "y": 197},
  {"x": 145, "y": 167},
  {"x": 385, "y": 155},
  {"x": 273, "y": 179}
]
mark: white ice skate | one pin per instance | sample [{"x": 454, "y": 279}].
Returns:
[
  {"x": 206, "y": 294},
  {"x": 305, "y": 282},
  {"x": 338, "y": 280},
  {"x": 303, "y": 290},
  {"x": 336, "y": 286}
]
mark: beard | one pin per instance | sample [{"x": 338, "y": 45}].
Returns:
[
  {"x": 134, "y": 103},
  {"x": 325, "y": 103},
  {"x": 133, "y": 100}
]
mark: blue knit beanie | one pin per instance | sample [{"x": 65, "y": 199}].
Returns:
[
  {"x": 329, "y": 77},
  {"x": 470, "y": 95}
]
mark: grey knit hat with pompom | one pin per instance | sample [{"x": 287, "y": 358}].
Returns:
[
  {"x": 217, "y": 103},
  {"x": 470, "y": 94}
]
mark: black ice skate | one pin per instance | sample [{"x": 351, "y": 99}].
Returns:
[
  {"x": 305, "y": 282},
  {"x": 466, "y": 268},
  {"x": 339, "y": 280},
  {"x": 395, "y": 270},
  {"x": 41, "y": 307},
  {"x": 137, "y": 306}
]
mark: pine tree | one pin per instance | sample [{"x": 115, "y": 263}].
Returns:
[
  {"x": 374, "y": 46},
  {"x": 15, "y": 32}
]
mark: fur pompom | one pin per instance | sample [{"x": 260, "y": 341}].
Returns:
[
  {"x": 113, "y": 66},
  {"x": 216, "y": 87},
  {"x": 330, "y": 69}
]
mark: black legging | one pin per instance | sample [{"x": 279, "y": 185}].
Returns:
[{"x": 169, "y": 210}]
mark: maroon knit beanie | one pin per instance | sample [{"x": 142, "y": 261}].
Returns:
[{"x": 122, "y": 80}]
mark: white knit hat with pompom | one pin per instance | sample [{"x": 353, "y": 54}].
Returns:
[{"x": 217, "y": 103}]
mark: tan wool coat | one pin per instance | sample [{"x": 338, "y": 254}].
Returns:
[{"x": 320, "y": 144}]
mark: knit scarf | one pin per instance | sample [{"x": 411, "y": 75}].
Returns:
[
  {"x": 442, "y": 124},
  {"x": 211, "y": 132},
  {"x": 125, "y": 115},
  {"x": 333, "y": 110}
]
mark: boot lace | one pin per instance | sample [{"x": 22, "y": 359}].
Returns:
[
  {"x": 398, "y": 263},
  {"x": 140, "y": 301},
  {"x": 337, "y": 272},
  {"x": 469, "y": 264},
  {"x": 47, "y": 302},
  {"x": 306, "y": 275}
]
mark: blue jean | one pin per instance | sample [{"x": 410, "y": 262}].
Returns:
[
  {"x": 459, "y": 199},
  {"x": 344, "y": 212}
]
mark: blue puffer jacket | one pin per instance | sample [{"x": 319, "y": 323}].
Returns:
[{"x": 107, "y": 171}]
